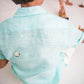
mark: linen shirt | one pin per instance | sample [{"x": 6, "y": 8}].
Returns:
[{"x": 33, "y": 41}]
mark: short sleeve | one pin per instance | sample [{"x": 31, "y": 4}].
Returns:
[
  {"x": 1, "y": 55},
  {"x": 1, "y": 44},
  {"x": 75, "y": 36},
  {"x": 1, "y": 41}
]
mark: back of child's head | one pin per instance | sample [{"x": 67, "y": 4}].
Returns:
[{"x": 21, "y": 1}]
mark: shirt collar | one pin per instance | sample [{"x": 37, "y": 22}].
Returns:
[{"x": 25, "y": 11}]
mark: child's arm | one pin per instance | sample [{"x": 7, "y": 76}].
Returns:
[
  {"x": 3, "y": 63},
  {"x": 83, "y": 41},
  {"x": 82, "y": 31}
]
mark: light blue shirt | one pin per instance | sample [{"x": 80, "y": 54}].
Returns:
[{"x": 33, "y": 41}]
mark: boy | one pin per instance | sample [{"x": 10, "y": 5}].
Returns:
[{"x": 34, "y": 42}]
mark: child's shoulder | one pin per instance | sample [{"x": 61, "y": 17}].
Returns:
[
  {"x": 5, "y": 24},
  {"x": 6, "y": 21},
  {"x": 59, "y": 20}
]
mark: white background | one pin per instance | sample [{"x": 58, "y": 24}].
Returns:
[{"x": 74, "y": 73}]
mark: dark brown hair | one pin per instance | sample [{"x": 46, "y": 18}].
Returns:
[{"x": 21, "y": 1}]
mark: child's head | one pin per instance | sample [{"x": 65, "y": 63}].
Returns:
[
  {"x": 22, "y": 1},
  {"x": 28, "y": 2}
]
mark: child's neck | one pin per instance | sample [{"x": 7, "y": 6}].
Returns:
[{"x": 30, "y": 4}]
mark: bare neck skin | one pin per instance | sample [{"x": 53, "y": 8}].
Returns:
[{"x": 33, "y": 3}]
